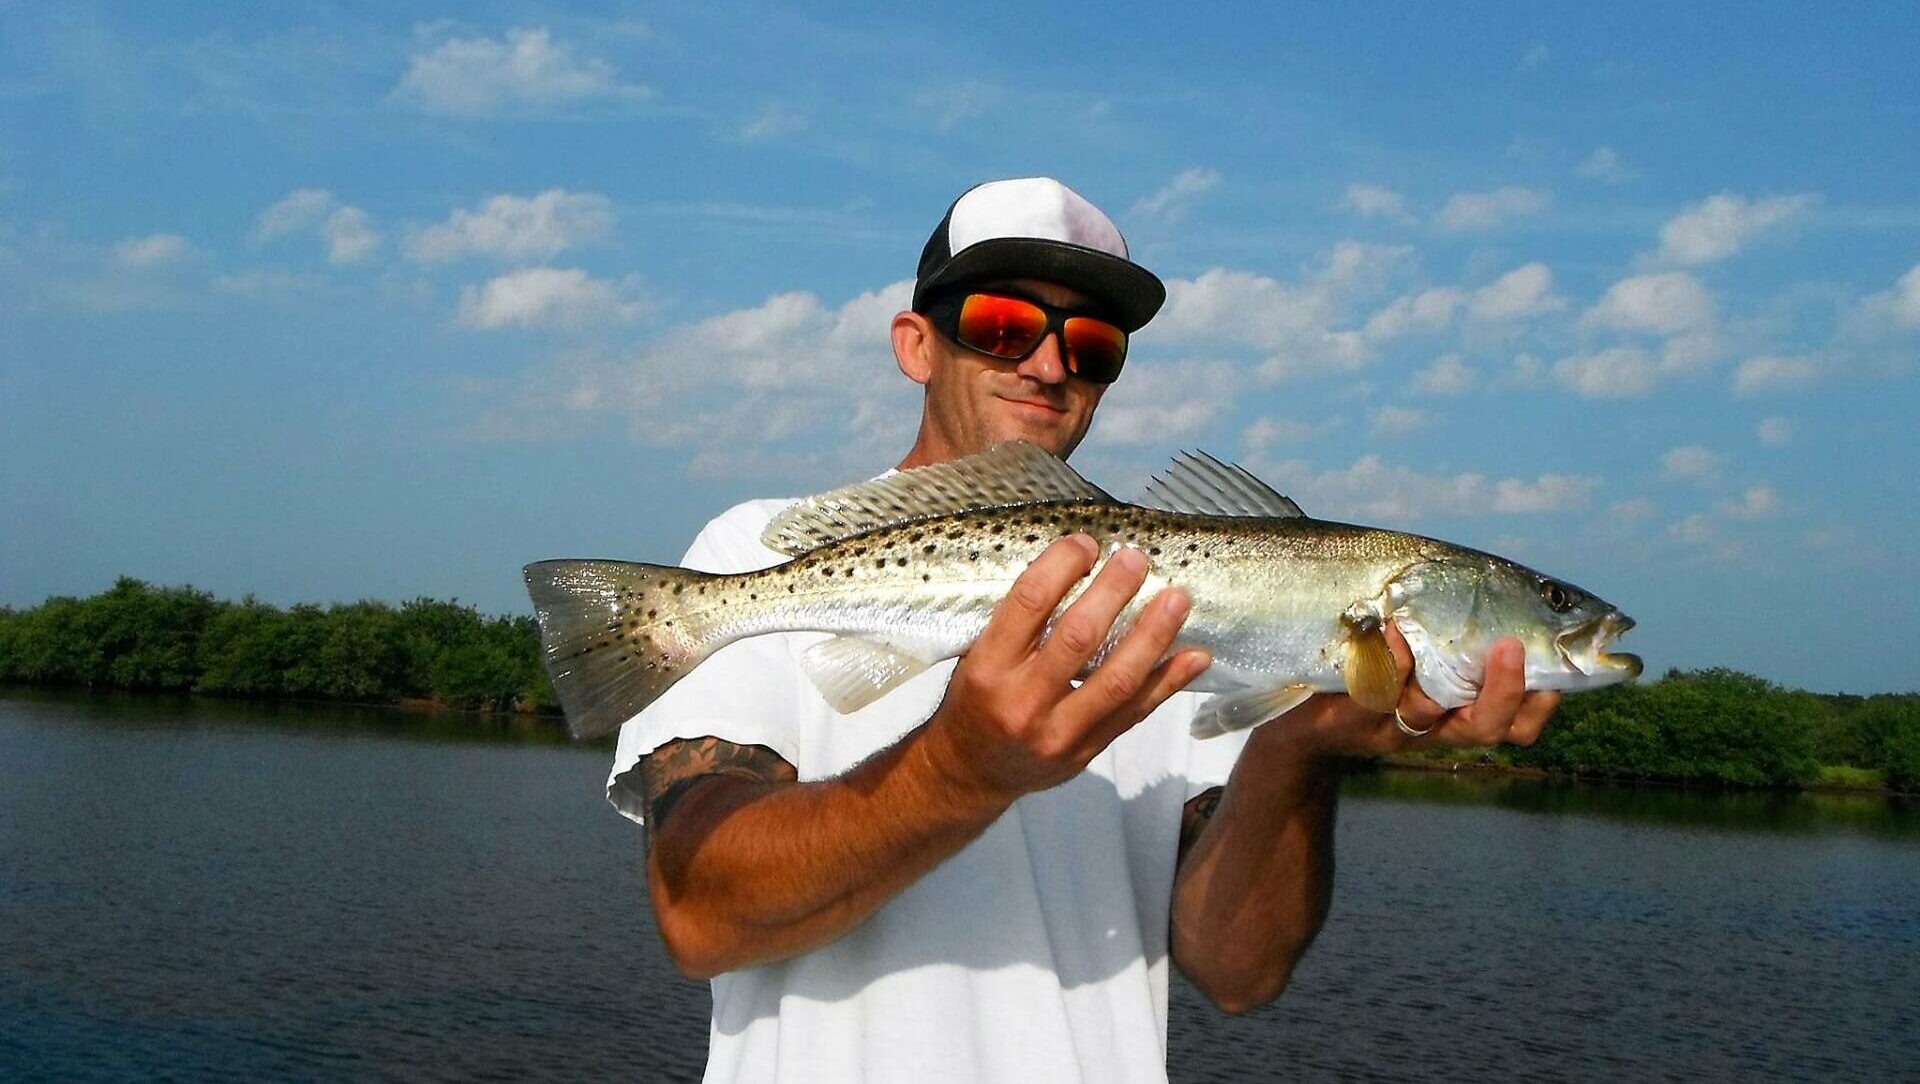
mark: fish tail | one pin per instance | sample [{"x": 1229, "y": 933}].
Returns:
[{"x": 614, "y": 635}]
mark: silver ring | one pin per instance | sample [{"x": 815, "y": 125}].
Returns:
[{"x": 1407, "y": 730}]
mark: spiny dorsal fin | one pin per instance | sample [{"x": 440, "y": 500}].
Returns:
[
  {"x": 1012, "y": 473},
  {"x": 1199, "y": 484}
]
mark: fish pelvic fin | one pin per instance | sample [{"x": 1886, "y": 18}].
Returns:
[
  {"x": 1372, "y": 677},
  {"x": 614, "y": 635},
  {"x": 852, "y": 672},
  {"x": 1239, "y": 711}
]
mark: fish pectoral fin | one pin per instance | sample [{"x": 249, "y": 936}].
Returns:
[
  {"x": 1373, "y": 681},
  {"x": 1238, "y": 711},
  {"x": 852, "y": 672}
]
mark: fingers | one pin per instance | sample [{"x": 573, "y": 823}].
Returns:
[
  {"x": 1494, "y": 716},
  {"x": 1535, "y": 710},
  {"x": 1020, "y": 617},
  {"x": 1131, "y": 669},
  {"x": 1080, "y": 631},
  {"x": 1160, "y": 683},
  {"x": 1416, "y": 708}
]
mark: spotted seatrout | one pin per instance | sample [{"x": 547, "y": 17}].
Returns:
[{"x": 906, "y": 569}]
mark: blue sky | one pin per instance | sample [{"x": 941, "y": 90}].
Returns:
[{"x": 337, "y": 301}]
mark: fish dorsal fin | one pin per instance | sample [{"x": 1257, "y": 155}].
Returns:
[
  {"x": 1006, "y": 474},
  {"x": 1199, "y": 484}
]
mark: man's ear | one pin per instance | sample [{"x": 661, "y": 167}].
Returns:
[{"x": 913, "y": 345}]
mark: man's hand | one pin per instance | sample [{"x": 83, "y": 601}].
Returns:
[
  {"x": 1505, "y": 711},
  {"x": 1011, "y": 723}
]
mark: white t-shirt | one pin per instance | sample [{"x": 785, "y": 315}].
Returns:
[{"x": 1036, "y": 953}]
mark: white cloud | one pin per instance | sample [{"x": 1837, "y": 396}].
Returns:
[
  {"x": 517, "y": 228},
  {"x": 1691, "y": 462},
  {"x": 525, "y": 72},
  {"x": 1666, "y": 303},
  {"x": 1720, "y": 226},
  {"x": 152, "y": 250},
  {"x": 1904, "y": 300},
  {"x": 1631, "y": 510},
  {"x": 1426, "y": 312},
  {"x": 1887, "y": 314},
  {"x": 788, "y": 388},
  {"x": 1757, "y": 502},
  {"x": 1756, "y": 376},
  {"x": 299, "y": 210},
  {"x": 1175, "y": 198},
  {"x": 348, "y": 231},
  {"x": 1447, "y": 375},
  {"x": 1371, "y": 490},
  {"x": 1547, "y": 493},
  {"x": 958, "y": 101},
  {"x": 776, "y": 120},
  {"x": 1375, "y": 201},
  {"x": 1294, "y": 324},
  {"x": 1264, "y": 433},
  {"x": 1606, "y": 166},
  {"x": 1392, "y": 422},
  {"x": 1695, "y": 530},
  {"x": 1620, "y": 372},
  {"x": 548, "y": 297},
  {"x": 1485, "y": 210},
  {"x": 1520, "y": 293},
  {"x": 1774, "y": 430},
  {"x": 1157, "y": 402},
  {"x": 350, "y": 236}
]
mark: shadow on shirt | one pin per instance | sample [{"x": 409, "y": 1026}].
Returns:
[{"x": 1075, "y": 881}]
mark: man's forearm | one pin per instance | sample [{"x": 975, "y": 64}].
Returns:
[
  {"x": 1254, "y": 886},
  {"x": 748, "y": 872}
]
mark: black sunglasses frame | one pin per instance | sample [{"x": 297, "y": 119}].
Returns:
[{"x": 944, "y": 311}]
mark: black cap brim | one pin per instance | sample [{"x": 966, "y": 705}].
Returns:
[{"x": 1128, "y": 293}]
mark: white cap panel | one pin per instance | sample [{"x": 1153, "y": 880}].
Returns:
[{"x": 1031, "y": 207}]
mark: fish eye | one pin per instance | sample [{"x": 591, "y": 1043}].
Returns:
[{"x": 1559, "y": 598}]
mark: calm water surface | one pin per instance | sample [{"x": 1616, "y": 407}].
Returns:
[{"x": 217, "y": 891}]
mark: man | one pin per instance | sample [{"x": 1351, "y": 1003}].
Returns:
[{"x": 981, "y": 876}]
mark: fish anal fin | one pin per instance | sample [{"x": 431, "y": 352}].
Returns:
[
  {"x": 1237, "y": 711},
  {"x": 852, "y": 672}
]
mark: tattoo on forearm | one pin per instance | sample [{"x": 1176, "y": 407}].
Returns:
[
  {"x": 669, "y": 772},
  {"x": 1193, "y": 819}
]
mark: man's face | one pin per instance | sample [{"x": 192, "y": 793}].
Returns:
[{"x": 974, "y": 401}]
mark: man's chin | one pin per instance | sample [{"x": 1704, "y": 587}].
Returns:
[{"x": 1052, "y": 430}]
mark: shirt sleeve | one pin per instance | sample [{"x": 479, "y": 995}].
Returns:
[{"x": 746, "y": 693}]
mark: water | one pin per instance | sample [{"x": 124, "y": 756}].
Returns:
[{"x": 234, "y": 892}]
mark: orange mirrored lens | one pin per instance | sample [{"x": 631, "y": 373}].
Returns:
[
  {"x": 1095, "y": 349},
  {"x": 1005, "y": 327}
]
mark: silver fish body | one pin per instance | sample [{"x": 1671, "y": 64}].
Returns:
[{"x": 906, "y": 571}]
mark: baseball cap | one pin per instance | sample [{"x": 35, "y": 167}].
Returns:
[{"x": 1036, "y": 227}]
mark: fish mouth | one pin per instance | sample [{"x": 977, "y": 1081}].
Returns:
[{"x": 1588, "y": 641}]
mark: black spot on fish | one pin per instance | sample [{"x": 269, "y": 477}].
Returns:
[{"x": 901, "y": 561}]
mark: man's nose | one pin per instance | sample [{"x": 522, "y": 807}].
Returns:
[{"x": 1045, "y": 364}]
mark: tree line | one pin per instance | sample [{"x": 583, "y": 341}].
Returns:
[
  {"x": 137, "y": 636},
  {"x": 1708, "y": 726}
]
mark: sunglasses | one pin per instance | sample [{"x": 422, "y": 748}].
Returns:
[{"x": 1012, "y": 328}]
